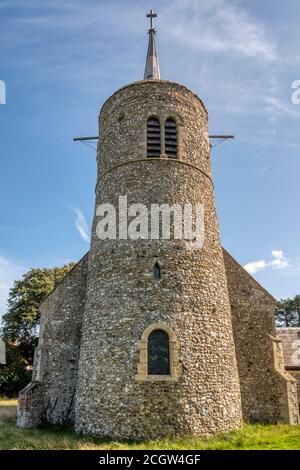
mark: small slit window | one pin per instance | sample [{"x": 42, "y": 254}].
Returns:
[
  {"x": 157, "y": 271},
  {"x": 158, "y": 353},
  {"x": 153, "y": 138},
  {"x": 171, "y": 138}
]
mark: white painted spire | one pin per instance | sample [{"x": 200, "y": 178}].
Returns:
[{"x": 152, "y": 66}]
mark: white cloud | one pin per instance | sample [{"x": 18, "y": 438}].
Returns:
[
  {"x": 275, "y": 104},
  {"x": 222, "y": 52},
  {"x": 9, "y": 272},
  {"x": 255, "y": 266},
  {"x": 279, "y": 261},
  {"x": 219, "y": 26},
  {"x": 81, "y": 224},
  {"x": 257, "y": 171},
  {"x": 218, "y": 48}
]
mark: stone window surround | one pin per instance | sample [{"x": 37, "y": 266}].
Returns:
[
  {"x": 162, "y": 118},
  {"x": 142, "y": 366}
]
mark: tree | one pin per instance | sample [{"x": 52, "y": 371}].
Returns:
[
  {"x": 15, "y": 375},
  {"x": 20, "y": 323},
  {"x": 288, "y": 312}
]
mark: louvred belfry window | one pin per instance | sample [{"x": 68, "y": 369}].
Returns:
[
  {"x": 153, "y": 138},
  {"x": 171, "y": 138},
  {"x": 158, "y": 353}
]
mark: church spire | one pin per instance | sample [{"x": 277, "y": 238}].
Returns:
[{"x": 152, "y": 66}]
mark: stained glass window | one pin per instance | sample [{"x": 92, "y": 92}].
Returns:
[{"x": 158, "y": 353}]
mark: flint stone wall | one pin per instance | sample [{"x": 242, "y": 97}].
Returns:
[
  {"x": 246, "y": 331},
  {"x": 123, "y": 297},
  {"x": 268, "y": 392},
  {"x": 290, "y": 337},
  {"x": 50, "y": 396}
]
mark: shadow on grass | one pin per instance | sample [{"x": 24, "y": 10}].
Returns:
[
  {"x": 68, "y": 431},
  {"x": 48, "y": 436},
  {"x": 54, "y": 437}
]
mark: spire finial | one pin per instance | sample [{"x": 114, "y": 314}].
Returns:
[
  {"x": 152, "y": 66},
  {"x": 151, "y": 15}
]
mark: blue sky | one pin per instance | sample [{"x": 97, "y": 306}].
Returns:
[{"x": 61, "y": 60}]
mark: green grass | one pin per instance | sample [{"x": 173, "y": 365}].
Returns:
[{"x": 252, "y": 436}]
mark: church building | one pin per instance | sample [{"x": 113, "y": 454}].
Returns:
[{"x": 150, "y": 337}]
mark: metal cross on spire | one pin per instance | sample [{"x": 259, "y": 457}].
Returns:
[
  {"x": 152, "y": 66},
  {"x": 151, "y": 15}
]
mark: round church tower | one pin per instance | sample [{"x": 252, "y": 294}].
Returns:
[{"x": 157, "y": 353}]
